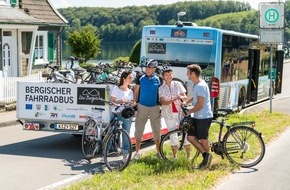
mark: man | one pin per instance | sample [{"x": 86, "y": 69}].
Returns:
[
  {"x": 146, "y": 94},
  {"x": 198, "y": 135}
]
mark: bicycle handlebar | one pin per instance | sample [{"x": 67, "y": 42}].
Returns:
[
  {"x": 117, "y": 105},
  {"x": 184, "y": 108}
]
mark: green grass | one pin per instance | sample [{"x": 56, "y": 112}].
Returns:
[{"x": 152, "y": 173}]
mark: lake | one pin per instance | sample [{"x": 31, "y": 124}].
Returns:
[{"x": 109, "y": 51}]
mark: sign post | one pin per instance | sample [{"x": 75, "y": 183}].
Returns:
[{"x": 271, "y": 24}]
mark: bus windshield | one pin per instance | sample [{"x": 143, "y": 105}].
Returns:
[
  {"x": 192, "y": 52},
  {"x": 179, "y": 46}
]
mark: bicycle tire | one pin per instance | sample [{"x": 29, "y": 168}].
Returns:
[
  {"x": 244, "y": 146},
  {"x": 166, "y": 150},
  {"x": 114, "y": 156},
  {"x": 89, "y": 140}
]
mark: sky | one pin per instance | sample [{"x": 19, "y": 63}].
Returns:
[{"x": 123, "y": 3}]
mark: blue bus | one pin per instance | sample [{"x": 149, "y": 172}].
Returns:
[{"x": 234, "y": 64}]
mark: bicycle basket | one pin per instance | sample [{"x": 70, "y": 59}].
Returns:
[
  {"x": 186, "y": 123},
  {"x": 127, "y": 112}
]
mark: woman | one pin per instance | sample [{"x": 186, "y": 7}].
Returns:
[
  {"x": 170, "y": 93},
  {"x": 123, "y": 94}
]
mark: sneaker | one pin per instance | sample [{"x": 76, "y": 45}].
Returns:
[
  {"x": 206, "y": 161},
  {"x": 136, "y": 156},
  {"x": 201, "y": 166}
]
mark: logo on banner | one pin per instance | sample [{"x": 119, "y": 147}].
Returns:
[
  {"x": 68, "y": 116},
  {"x": 38, "y": 107},
  {"x": 28, "y": 106},
  {"x": 90, "y": 96},
  {"x": 53, "y": 115},
  {"x": 157, "y": 48},
  {"x": 46, "y": 107},
  {"x": 177, "y": 33},
  {"x": 38, "y": 114}
]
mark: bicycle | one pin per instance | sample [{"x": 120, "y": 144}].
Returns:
[
  {"x": 101, "y": 74},
  {"x": 58, "y": 76},
  {"x": 107, "y": 141},
  {"x": 241, "y": 144}
]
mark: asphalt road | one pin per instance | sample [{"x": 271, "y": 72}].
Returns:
[{"x": 32, "y": 160}]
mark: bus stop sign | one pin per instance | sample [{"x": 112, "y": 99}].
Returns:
[{"x": 271, "y": 15}]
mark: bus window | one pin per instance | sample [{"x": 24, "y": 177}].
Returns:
[
  {"x": 234, "y": 58},
  {"x": 264, "y": 60}
]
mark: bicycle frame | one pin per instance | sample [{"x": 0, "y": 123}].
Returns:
[
  {"x": 110, "y": 128},
  {"x": 217, "y": 147},
  {"x": 103, "y": 134}
]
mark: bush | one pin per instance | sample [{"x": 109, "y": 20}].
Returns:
[{"x": 135, "y": 53}]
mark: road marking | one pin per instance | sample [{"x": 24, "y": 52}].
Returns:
[{"x": 65, "y": 182}]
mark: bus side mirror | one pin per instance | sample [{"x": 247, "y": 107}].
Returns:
[{"x": 215, "y": 87}]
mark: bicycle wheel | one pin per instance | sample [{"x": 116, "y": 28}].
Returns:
[
  {"x": 90, "y": 144},
  {"x": 176, "y": 148},
  {"x": 244, "y": 146},
  {"x": 118, "y": 150}
]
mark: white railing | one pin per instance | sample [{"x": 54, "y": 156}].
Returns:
[{"x": 8, "y": 86}]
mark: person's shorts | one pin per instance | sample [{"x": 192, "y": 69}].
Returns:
[{"x": 200, "y": 129}]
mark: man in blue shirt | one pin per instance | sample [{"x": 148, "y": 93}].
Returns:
[
  {"x": 146, "y": 94},
  {"x": 198, "y": 135}
]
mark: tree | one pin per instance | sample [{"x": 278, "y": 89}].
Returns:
[
  {"x": 135, "y": 53},
  {"x": 84, "y": 42}
]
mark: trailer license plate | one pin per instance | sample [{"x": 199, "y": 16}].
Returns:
[{"x": 64, "y": 126}]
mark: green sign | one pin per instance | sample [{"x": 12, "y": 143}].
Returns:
[{"x": 271, "y": 16}]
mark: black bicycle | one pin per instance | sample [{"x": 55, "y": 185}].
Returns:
[
  {"x": 107, "y": 141},
  {"x": 241, "y": 143}
]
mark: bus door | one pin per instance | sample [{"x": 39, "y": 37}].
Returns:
[
  {"x": 253, "y": 75},
  {"x": 279, "y": 71}
]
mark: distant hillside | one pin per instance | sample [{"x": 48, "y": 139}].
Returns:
[
  {"x": 125, "y": 24},
  {"x": 245, "y": 21}
]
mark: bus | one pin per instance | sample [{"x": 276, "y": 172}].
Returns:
[{"x": 235, "y": 66}]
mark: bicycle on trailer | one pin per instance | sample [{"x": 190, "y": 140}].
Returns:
[
  {"x": 241, "y": 143},
  {"x": 108, "y": 141}
]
